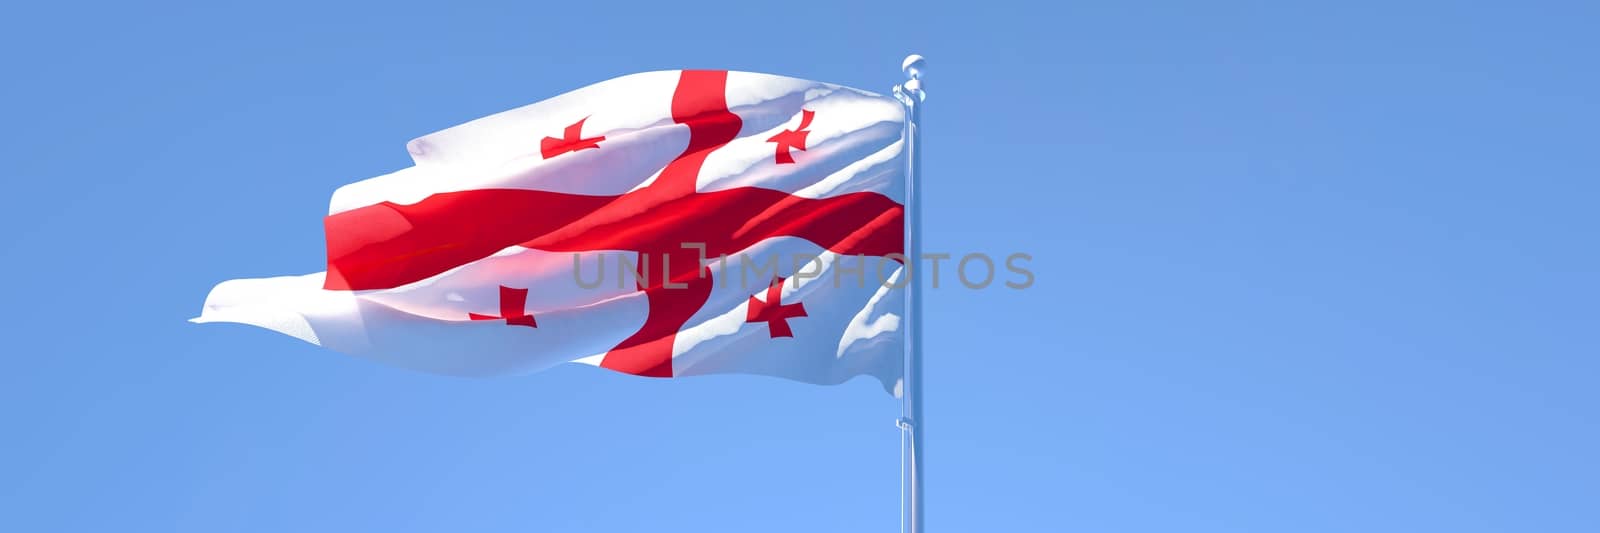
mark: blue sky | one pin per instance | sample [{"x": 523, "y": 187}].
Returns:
[{"x": 1300, "y": 268}]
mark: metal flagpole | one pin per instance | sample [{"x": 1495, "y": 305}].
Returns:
[{"x": 912, "y": 429}]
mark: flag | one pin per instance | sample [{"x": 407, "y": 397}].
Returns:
[{"x": 663, "y": 224}]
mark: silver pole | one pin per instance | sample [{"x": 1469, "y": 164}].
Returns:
[{"x": 912, "y": 428}]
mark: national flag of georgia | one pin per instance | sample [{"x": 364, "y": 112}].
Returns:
[{"x": 662, "y": 224}]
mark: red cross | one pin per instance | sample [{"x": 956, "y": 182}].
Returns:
[
  {"x": 513, "y": 308},
  {"x": 773, "y": 311},
  {"x": 389, "y": 245},
  {"x": 571, "y": 141},
  {"x": 795, "y": 138}
]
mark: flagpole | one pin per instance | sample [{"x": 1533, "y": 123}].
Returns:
[{"x": 912, "y": 428}]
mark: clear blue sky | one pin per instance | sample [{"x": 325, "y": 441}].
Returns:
[{"x": 1299, "y": 269}]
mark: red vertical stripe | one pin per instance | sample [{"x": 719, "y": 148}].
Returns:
[{"x": 701, "y": 103}]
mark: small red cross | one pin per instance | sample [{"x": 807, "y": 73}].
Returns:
[
  {"x": 774, "y": 312},
  {"x": 571, "y": 141},
  {"x": 795, "y": 138},
  {"x": 513, "y": 308}
]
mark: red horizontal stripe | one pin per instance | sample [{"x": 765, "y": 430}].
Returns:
[{"x": 388, "y": 245}]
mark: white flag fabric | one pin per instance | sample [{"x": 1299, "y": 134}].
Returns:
[{"x": 662, "y": 224}]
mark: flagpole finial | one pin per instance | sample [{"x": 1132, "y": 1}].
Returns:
[{"x": 914, "y": 66}]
